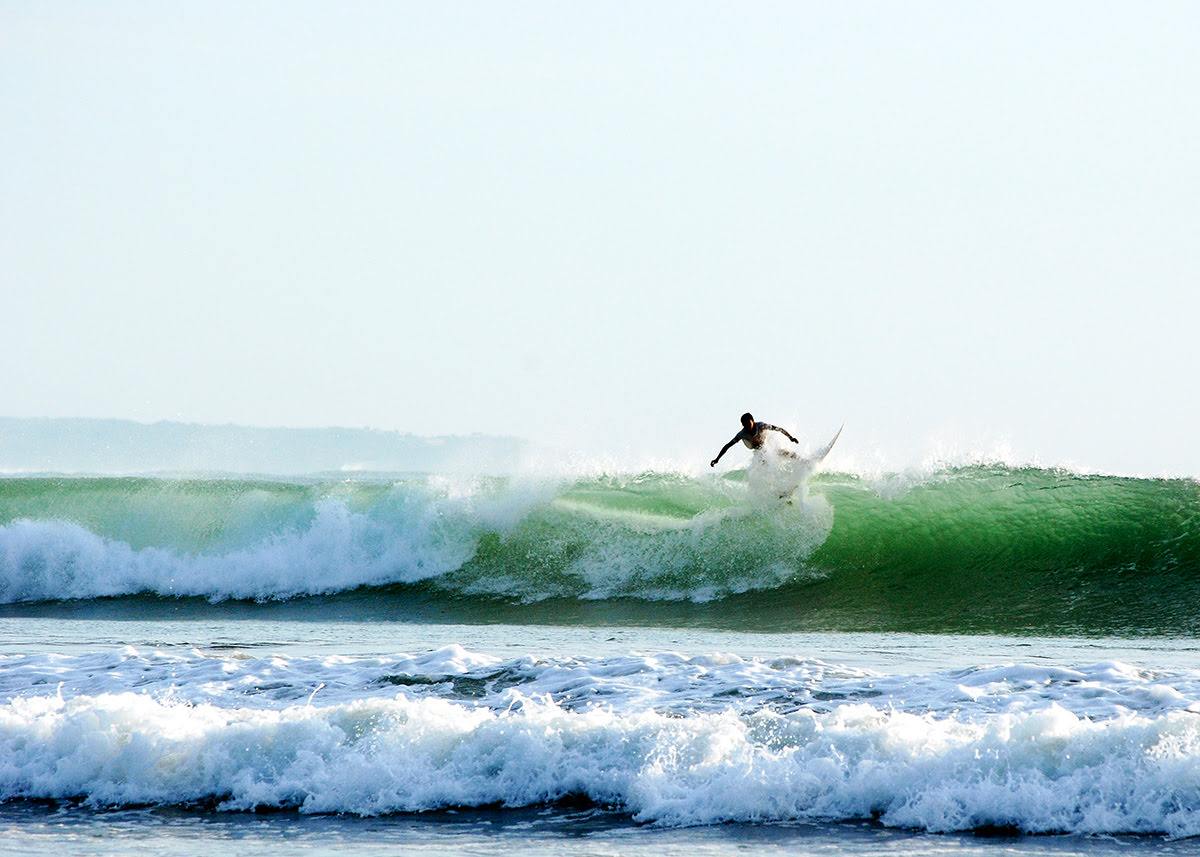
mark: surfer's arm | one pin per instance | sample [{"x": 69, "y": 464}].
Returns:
[
  {"x": 783, "y": 432},
  {"x": 724, "y": 450}
]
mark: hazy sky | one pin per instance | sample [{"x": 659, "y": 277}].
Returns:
[{"x": 957, "y": 226}]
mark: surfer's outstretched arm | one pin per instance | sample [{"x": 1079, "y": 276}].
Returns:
[
  {"x": 783, "y": 432},
  {"x": 724, "y": 450}
]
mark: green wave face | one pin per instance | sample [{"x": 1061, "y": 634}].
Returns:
[
  {"x": 973, "y": 549},
  {"x": 1010, "y": 550}
]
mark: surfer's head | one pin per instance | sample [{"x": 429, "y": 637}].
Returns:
[{"x": 747, "y": 420}]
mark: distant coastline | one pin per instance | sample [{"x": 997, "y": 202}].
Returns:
[{"x": 126, "y": 447}]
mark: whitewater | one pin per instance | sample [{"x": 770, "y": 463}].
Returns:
[
  {"x": 956, "y": 658},
  {"x": 668, "y": 739}
]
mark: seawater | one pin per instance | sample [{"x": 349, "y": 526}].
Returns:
[
  {"x": 986, "y": 549},
  {"x": 969, "y": 660}
]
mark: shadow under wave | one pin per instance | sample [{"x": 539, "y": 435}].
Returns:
[{"x": 1097, "y": 605}]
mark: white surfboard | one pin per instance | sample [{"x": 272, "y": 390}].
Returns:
[
  {"x": 781, "y": 476},
  {"x": 819, "y": 456}
]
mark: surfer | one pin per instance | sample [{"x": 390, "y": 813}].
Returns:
[{"x": 753, "y": 434}]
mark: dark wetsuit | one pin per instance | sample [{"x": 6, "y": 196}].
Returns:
[{"x": 753, "y": 437}]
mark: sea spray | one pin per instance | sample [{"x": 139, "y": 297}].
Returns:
[{"x": 651, "y": 537}]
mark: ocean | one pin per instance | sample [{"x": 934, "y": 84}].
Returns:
[{"x": 975, "y": 659}]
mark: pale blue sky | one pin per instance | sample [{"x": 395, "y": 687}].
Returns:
[{"x": 955, "y": 226}]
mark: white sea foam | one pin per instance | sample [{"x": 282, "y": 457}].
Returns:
[
  {"x": 1047, "y": 770},
  {"x": 610, "y": 542},
  {"x": 415, "y": 532},
  {"x": 339, "y": 550},
  {"x": 668, "y": 682},
  {"x": 670, "y": 739}
]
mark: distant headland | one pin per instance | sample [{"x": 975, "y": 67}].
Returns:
[{"x": 109, "y": 446}]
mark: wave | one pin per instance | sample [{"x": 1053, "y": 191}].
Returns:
[
  {"x": 975, "y": 548},
  {"x": 667, "y": 739}
]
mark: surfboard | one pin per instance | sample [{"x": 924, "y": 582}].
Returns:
[
  {"x": 787, "y": 480},
  {"x": 819, "y": 456}
]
